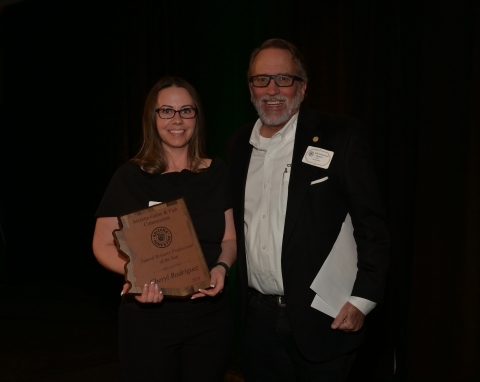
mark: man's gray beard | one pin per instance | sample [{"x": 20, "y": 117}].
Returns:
[{"x": 283, "y": 118}]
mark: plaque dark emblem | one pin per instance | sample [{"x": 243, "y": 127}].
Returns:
[{"x": 161, "y": 237}]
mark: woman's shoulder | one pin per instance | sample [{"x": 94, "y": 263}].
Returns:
[
  {"x": 128, "y": 171},
  {"x": 129, "y": 168},
  {"x": 218, "y": 165},
  {"x": 218, "y": 162},
  {"x": 205, "y": 163}
]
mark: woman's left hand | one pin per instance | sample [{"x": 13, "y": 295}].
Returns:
[
  {"x": 228, "y": 256},
  {"x": 217, "y": 282}
]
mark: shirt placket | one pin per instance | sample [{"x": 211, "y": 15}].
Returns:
[{"x": 265, "y": 245}]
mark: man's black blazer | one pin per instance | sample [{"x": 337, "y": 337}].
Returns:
[{"x": 314, "y": 217}]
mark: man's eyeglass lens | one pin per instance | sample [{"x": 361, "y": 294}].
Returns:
[
  {"x": 282, "y": 81},
  {"x": 167, "y": 113}
]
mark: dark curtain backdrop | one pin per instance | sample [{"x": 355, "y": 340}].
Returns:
[{"x": 74, "y": 78}]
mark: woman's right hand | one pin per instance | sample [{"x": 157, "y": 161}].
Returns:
[{"x": 151, "y": 293}]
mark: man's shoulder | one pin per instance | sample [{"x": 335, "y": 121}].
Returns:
[
  {"x": 339, "y": 128},
  {"x": 239, "y": 136},
  {"x": 326, "y": 120},
  {"x": 242, "y": 132}
]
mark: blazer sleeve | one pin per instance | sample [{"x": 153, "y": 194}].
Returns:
[{"x": 368, "y": 215}]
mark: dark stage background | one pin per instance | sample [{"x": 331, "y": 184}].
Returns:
[{"x": 74, "y": 78}]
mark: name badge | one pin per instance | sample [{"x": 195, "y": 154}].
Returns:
[{"x": 317, "y": 157}]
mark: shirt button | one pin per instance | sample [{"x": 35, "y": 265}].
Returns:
[
  {"x": 265, "y": 186},
  {"x": 263, "y": 247},
  {"x": 269, "y": 276},
  {"x": 264, "y": 216}
]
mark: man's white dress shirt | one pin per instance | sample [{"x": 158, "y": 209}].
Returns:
[{"x": 266, "y": 196}]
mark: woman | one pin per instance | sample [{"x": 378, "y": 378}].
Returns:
[{"x": 165, "y": 339}]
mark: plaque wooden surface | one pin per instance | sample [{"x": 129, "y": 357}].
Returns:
[{"x": 161, "y": 245}]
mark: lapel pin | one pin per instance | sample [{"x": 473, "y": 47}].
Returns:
[{"x": 315, "y": 139}]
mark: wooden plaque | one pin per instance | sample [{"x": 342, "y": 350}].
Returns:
[{"x": 161, "y": 245}]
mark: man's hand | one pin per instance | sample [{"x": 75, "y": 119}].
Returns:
[{"x": 349, "y": 319}]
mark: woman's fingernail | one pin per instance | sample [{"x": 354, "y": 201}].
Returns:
[
  {"x": 156, "y": 286},
  {"x": 152, "y": 282},
  {"x": 192, "y": 298},
  {"x": 160, "y": 291},
  {"x": 145, "y": 286},
  {"x": 212, "y": 286},
  {"x": 121, "y": 293}
]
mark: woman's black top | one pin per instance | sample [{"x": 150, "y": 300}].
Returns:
[{"x": 207, "y": 195}]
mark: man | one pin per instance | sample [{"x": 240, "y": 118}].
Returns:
[{"x": 288, "y": 214}]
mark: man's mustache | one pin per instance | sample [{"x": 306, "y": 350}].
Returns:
[{"x": 273, "y": 98}]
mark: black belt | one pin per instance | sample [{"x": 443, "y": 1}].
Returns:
[{"x": 280, "y": 300}]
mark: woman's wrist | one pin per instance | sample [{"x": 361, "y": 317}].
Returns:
[{"x": 222, "y": 264}]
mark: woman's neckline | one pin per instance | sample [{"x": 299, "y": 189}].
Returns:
[{"x": 200, "y": 170}]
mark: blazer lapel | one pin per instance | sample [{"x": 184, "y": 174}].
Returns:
[
  {"x": 308, "y": 129},
  {"x": 244, "y": 153}
]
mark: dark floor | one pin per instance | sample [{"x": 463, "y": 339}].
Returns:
[
  {"x": 60, "y": 333},
  {"x": 50, "y": 334}
]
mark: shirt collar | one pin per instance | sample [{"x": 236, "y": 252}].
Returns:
[{"x": 287, "y": 133}]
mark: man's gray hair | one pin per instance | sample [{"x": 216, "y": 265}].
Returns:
[{"x": 278, "y": 43}]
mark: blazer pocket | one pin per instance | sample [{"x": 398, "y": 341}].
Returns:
[{"x": 319, "y": 180}]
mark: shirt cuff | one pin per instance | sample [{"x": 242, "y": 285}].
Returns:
[{"x": 362, "y": 304}]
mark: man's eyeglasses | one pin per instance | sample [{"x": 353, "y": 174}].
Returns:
[
  {"x": 282, "y": 80},
  {"x": 168, "y": 113}
]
